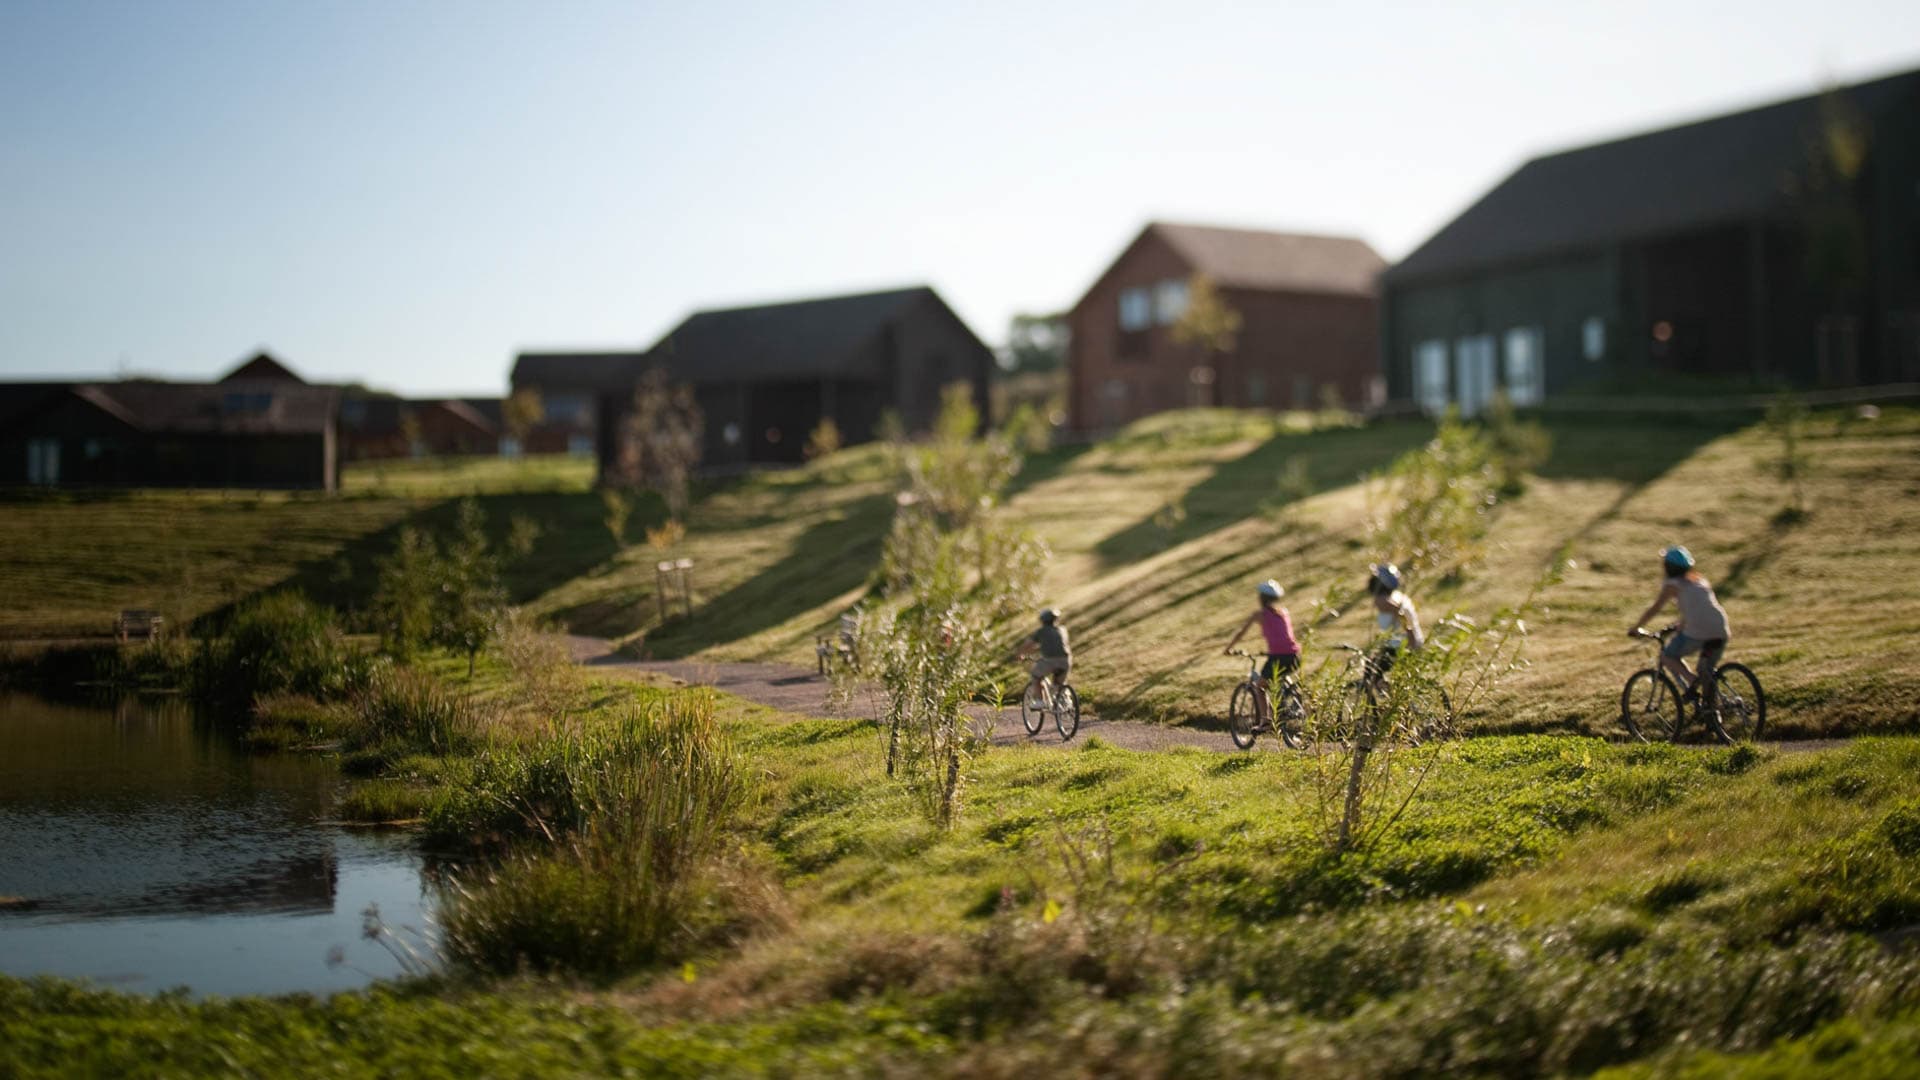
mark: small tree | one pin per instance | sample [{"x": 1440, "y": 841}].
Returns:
[
  {"x": 1517, "y": 448},
  {"x": 1035, "y": 343},
  {"x": 1209, "y": 323},
  {"x": 471, "y": 593},
  {"x": 951, "y": 571},
  {"x": 520, "y": 412},
  {"x": 403, "y": 600},
  {"x": 658, "y": 444},
  {"x": 824, "y": 440},
  {"x": 618, "y": 506}
]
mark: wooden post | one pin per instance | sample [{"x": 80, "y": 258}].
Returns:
[
  {"x": 662, "y": 581},
  {"x": 685, "y": 569}
]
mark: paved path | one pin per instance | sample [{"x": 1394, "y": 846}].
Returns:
[{"x": 798, "y": 690}]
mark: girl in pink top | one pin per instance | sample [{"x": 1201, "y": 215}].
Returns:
[{"x": 1283, "y": 650}]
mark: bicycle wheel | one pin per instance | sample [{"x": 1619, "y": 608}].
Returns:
[
  {"x": 1650, "y": 706},
  {"x": 1243, "y": 714},
  {"x": 1033, "y": 712},
  {"x": 1743, "y": 705},
  {"x": 1066, "y": 712},
  {"x": 1290, "y": 717}
]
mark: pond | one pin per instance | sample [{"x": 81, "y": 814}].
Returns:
[{"x": 142, "y": 849}]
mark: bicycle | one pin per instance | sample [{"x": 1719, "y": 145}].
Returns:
[
  {"x": 1249, "y": 712},
  {"x": 1416, "y": 717},
  {"x": 1734, "y": 708},
  {"x": 1056, "y": 697}
]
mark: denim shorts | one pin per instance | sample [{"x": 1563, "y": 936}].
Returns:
[{"x": 1680, "y": 645}]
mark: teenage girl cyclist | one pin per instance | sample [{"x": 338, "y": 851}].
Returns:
[
  {"x": 1276, "y": 625},
  {"x": 1395, "y": 613},
  {"x": 1703, "y": 622}
]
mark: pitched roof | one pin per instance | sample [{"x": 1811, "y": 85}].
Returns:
[
  {"x": 1275, "y": 261},
  {"x": 264, "y": 367},
  {"x": 586, "y": 370},
  {"x": 210, "y": 408},
  {"x": 807, "y": 338},
  {"x": 1725, "y": 169}
]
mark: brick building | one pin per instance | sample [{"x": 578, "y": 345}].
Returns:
[{"x": 1308, "y": 320}]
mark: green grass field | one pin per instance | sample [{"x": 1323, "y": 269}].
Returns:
[
  {"x": 1822, "y": 607},
  {"x": 71, "y": 561},
  {"x": 1551, "y": 904}
]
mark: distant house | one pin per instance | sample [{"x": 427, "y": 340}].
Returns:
[
  {"x": 1777, "y": 244},
  {"x": 255, "y": 428},
  {"x": 765, "y": 376},
  {"x": 380, "y": 426},
  {"x": 1308, "y": 321},
  {"x": 569, "y": 384}
]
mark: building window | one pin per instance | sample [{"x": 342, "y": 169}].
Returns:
[
  {"x": 1526, "y": 366},
  {"x": 43, "y": 461},
  {"x": 1136, "y": 309},
  {"x": 730, "y": 434},
  {"x": 1256, "y": 388},
  {"x": 1169, "y": 301},
  {"x": 1302, "y": 392},
  {"x": 1593, "y": 338},
  {"x": 580, "y": 445},
  {"x": 247, "y": 404},
  {"x": 1430, "y": 376},
  {"x": 566, "y": 408},
  {"x": 1473, "y": 358},
  {"x": 510, "y": 447}
]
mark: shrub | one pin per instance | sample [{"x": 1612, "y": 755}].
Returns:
[
  {"x": 639, "y": 810},
  {"x": 279, "y": 643}
]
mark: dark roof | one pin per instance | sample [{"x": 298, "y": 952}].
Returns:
[
  {"x": 467, "y": 413},
  {"x": 807, "y": 338},
  {"x": 1726, "y": 169},
  {"x": 492, "y": 410},
  {"x": 574, "y": 370},
  {"x": 1275, "y": 261},
  {"x": 224, "y": 408},
  {"x": 262, "y": 366}
]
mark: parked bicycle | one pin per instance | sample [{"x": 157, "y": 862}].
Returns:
[
  {"x": 1732, "y": 707},
  {"x": 1056, "y": 697},
  {"x": 1249, "y": 712},
  {"x": 1416, "y": 713}
]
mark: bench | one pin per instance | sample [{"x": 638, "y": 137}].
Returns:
[{"x": 136, "y": 623}]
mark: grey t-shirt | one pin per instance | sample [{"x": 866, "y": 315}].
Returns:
[{"x": 1052, "y": 641}]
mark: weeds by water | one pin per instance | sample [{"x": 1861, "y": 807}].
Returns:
[{"x": 633, "y": 813}]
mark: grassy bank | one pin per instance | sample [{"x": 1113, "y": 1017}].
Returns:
[
  {"x": 70, "y": 561},
  {"x": 1548, "y": 904}
]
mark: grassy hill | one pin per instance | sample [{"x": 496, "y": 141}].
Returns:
[
  {"x": 1822, "y": 606},
  {"x": 1157, "y": 535}
]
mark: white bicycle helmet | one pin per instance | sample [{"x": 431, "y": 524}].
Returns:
[{"x": 1271, "y": 590}]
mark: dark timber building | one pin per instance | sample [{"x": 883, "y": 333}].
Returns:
[
  {"x": 1777, "y": 245},
  {"x": 260, "y": 426},
  {"x": 765, "y": 376}
]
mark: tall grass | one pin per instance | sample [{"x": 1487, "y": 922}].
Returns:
[{"x": 636, "y": 810}]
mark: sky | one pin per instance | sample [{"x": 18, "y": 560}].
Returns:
[{"x": 407, "y": 193}]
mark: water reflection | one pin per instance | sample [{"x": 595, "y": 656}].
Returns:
[{"x": 142, "y": 847}]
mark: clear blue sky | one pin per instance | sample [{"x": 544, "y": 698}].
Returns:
[{"x": 408, "y": 192}]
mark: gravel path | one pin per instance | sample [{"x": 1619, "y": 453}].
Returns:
[{"x": 798, "y": 690}]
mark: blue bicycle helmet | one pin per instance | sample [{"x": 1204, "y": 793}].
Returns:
[
  {"x": 1385, "y": 575},
  {"x": 1677, "y": 559}
]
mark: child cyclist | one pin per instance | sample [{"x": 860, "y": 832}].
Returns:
[
  {"x": 1056, "y": 657},
  {"x": 1703, "y": 622},
  {"x": 1276, "y": 625},
  {"x": 1395, "y": 613}
]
